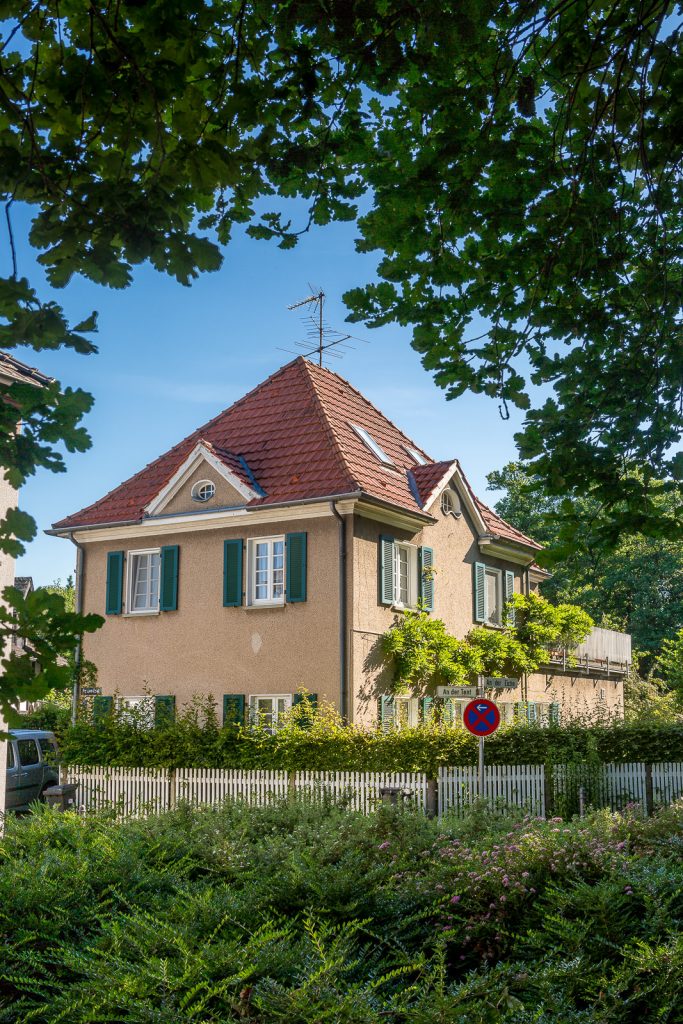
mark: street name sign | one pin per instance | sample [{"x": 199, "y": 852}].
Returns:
[
  {"x": 456, "y": 691},
  {"x": 500, "y": 682}
]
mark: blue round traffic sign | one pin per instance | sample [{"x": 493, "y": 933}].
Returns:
[{"x": 481, "y": 717}]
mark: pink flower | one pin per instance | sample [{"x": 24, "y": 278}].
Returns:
[
  {"x": 455, "y": 899},
  {"x": 384, "y": 845}
]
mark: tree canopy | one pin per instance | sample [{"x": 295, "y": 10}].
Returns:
[
  {"x": 517, "y": 165},
  {"x": 636, "y": 586}
]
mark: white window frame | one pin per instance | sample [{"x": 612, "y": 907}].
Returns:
[
  {"x": 269, "y": 601},
  {"x": 413, "y": 709},
  {"x": 146, "y": 702},
  {"x": 198, "y": 486},
  {"x": 373, "y": 446},
  {"x": 498, "y": 574},
  {"x": 412, "y": 575},
  {"x": 130, "y": 582},
  {"x": 275, "y": 724},
  {"x": 453, "y": 499}
]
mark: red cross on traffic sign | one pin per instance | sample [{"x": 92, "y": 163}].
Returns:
[{"x": 481, "y": 717}]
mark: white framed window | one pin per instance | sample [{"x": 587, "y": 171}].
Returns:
[
  {"x": 405, "y": 575},
  {"x": 407, "y": 712},
  {"x": 137, "y": 711},
  {"x": 266, "y": 570},
  {"x": 450, "y": 504},
  {"x": 203, "y": 490},
  {"x": 267, "y": 709},
  {"x": 144, "y": 570},
  {"x": 369, "y": 442},
  {"x": 493, "y": 591}
]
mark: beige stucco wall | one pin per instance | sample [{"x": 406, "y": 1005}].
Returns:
[
  {"x": 226, "y": 496},
  {"x": 454, "y": 542},
  {"x": 204, "y": 648}
]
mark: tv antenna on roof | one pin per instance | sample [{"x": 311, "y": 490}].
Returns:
[{"x": 321, "y": 337}]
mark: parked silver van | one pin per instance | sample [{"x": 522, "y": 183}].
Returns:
[{"x": 31, "y": 766}]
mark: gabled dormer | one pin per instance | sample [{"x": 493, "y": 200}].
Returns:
[{"x": 209, "y": 479}]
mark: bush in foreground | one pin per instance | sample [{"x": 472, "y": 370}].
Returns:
[{"x": 305, "y": 914}]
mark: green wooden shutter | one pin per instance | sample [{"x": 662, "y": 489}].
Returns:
[
  {"x": 448, "y": 711},
  {"x": 164, "y": 711},
  {"x": 426, "y": 708},
  {"x": 509, "y": 592},
  {"x": 169, "y": 578},
  {"x": 479, "y": 592},
  {"x": 114, "y": 594},
  {"x": 387, "y": 713},
  {"x": 531, "y": 713},
  {"x": 554, "y": 713},
  {"x": 386, "y": 570},
  {"x": 312, "y": 699},
  {"x": 426, "y": 578},
  {"x": 233, "y": 708},
  {"x": 101, "y": 707},
  {"x": 296, "y": 567},
  {"x": 232, "y": 573}
]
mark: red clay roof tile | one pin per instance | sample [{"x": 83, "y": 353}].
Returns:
[{"x": 295, "y": 433}]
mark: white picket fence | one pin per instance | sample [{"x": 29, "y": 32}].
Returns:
[
  {"x": 504, "y": 786},
  {"x": 211, "y": 786},
  {"x": 128, "y": 791},
  {"x": 140, "y": 791},
  {"x": 667, "y": 781},
  {"x": 607, "y": 785},
  {"x": 360, "y": 791}
]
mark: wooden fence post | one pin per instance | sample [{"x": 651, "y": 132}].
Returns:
[{"x": 432, "y": 798}]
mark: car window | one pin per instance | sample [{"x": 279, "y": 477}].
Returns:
[
  {"x": 28, "y": 752},
  {"x": 48, "y": 749},
  {"x": 10, "y": 755}
]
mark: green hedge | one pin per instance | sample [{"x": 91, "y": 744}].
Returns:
[{"x": 195, "y": 740}]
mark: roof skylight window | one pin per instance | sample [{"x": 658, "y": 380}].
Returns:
[
  {"x": 370, "y": 443},
  {"x": 415, "y": 454}
]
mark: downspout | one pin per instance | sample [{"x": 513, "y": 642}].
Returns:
[
  {"x": 80, "y": 559},
  {"x": 343, "y": 697}
]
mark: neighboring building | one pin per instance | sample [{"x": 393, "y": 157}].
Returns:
[
  {"x": 12, "y": 372},
  {"x": 271, "y": 549}
]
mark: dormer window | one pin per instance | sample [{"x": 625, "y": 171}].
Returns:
[
  {"x": 203, "y": 490},
  {"x": 370, "y": 443},
  {"x": 415, "y": 455}
]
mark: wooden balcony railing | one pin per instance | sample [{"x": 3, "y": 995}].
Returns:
[{"x": 605, "y": 652}]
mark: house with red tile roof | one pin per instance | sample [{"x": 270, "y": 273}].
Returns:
[{"x": 269, "y": 550}]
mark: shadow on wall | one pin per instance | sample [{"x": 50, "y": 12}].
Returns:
[{"x": 377, "y": 676}]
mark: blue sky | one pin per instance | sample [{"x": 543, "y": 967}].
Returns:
[{"x": 171, "y": 357}]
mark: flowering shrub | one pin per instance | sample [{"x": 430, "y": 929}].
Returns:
[{"x": 306, "y": 913}]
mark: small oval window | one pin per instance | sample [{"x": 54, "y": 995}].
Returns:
[
  {"x": 204, "y": 490},
  {"x": 450, "y": 504}
]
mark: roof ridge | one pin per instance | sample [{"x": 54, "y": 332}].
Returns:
[
  {"x": 325, "y": 421},
  {"x": 338, "y": 376}
]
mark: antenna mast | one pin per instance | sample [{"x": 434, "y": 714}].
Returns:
[{"x": 324, "y": 336}]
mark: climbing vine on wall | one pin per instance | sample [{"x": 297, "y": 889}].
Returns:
[{"x": 422, "y": 652}]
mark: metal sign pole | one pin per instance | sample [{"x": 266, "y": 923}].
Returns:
[{"x": 482, "y": 781}]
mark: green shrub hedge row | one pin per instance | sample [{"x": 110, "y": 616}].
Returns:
[{"x": 321, "y": 742}]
